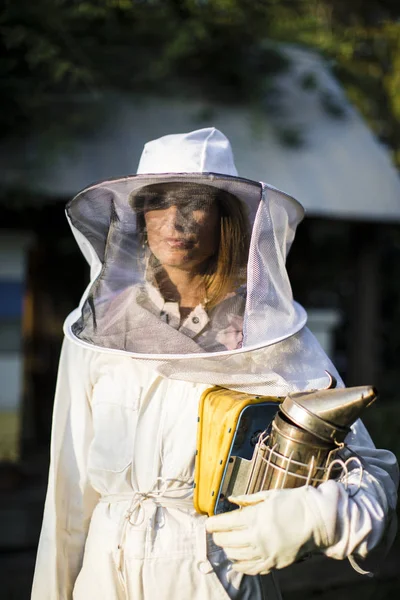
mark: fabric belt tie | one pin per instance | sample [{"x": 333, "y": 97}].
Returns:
[{"x": 135, "y": 515}]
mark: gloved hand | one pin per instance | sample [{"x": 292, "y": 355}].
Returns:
[{"x": 274, "y": 528}]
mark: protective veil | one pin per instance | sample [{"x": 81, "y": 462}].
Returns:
[{"x": 119, "y": 519}]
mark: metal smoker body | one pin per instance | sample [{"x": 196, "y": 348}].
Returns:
[{"x": 304, "y": 444}]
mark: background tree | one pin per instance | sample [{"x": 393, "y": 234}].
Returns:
[{"x": 226, "y": 50}]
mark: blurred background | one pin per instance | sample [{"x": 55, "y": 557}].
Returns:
[{"x": 308, "y": 92}]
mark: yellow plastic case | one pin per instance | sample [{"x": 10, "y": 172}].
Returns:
[{"x": 220, "y": 415}]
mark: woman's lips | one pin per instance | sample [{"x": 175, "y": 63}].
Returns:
[{"x": 179, "y": 243}]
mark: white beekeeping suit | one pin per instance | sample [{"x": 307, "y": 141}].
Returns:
[{"x": 119, "y": 521}]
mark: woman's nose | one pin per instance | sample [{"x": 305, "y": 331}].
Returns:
[{"x": 176, "y": 220}]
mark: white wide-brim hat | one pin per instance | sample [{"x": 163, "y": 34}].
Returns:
[{"x": 202, "y": 156}]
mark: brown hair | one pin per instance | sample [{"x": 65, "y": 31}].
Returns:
[{"x": 226, "y": 271}]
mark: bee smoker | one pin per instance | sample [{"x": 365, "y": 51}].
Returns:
[{"x": 305, "y": 444}]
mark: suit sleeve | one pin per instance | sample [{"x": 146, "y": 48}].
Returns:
[
  {"x": 367, "y": 500},
  {"x": 70, "y": 499}
]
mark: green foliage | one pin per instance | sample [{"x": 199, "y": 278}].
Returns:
[
  {"x": 52, "y": 47},
  {"x": 225, "y": 50},
  {"x": 364, "y": 43}
]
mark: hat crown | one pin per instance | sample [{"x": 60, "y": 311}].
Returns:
[{"x": 202, "y": 151}]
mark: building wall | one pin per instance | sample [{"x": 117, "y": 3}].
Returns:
[{"x": 13, "y": 249}]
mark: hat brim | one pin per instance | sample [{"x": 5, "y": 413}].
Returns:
[{"x": 98, "y": 202}]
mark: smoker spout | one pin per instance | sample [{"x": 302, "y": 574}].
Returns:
[{"x": 339, "y": 407}]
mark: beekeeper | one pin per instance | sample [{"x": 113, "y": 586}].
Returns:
[{"x": 188, "y": 289}]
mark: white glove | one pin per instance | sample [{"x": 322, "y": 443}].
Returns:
[{"x": 276, "y": 527}]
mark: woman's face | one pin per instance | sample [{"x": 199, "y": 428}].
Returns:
[{"x": 182, "y": 234}]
